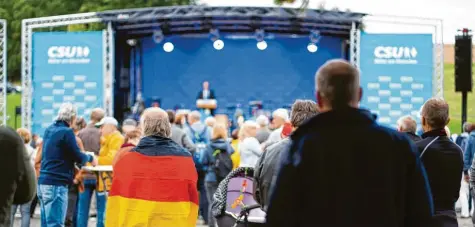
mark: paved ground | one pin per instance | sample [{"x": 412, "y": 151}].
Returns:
[{"x": 35, "y": 222}]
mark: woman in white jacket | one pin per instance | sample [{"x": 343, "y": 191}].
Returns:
[
  {"x": 31, "y": 154},
  {"x": 249, "y": 146}
]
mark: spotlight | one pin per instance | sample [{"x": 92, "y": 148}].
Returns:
[
  {"x": 168, "y": 47},
  {"x": 262, "y": 45},
  {"x": 132, "y": 42},
  {"x": 218, "y": 44},
  {"x": 158, "y": 36},
  {"x": 312, "y": 47}
]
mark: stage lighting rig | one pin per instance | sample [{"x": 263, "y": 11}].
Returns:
[
  {"x": 158, "y": 36},
  {"x": 261, "y": 43},
  {"x": 314, "y": 39}
]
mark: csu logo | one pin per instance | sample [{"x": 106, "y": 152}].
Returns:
[
  {"x": 68, "y": 52},
  {"x": 68, "y": 55},
  {"x": 395, "y": 55},
  {"x": 395, "y": 52}
]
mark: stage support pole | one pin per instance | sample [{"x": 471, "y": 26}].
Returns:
[{"x": 464, "y": 108}]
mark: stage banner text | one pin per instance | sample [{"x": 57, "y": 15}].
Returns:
[
  {"x": 396, "y": 74},
  {"x": 67, "y": 67}
]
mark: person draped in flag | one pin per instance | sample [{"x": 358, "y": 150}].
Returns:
[{"x": 155, "y": 182}]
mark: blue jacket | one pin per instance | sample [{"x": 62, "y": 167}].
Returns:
[
  {"x": 469, "y": 152},
  {"x": 343, "y": 158},
  {"x": 160, "y": 146},
  {"x": 208, "y": 160},
  {"x": 60, "y": 152}
]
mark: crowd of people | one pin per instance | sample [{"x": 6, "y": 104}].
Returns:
[{"x": 326, "y": 163}]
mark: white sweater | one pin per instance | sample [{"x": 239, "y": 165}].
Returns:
[{"x": 250, "y": 152}]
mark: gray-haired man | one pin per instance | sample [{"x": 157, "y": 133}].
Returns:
[{"x": 60, "y": 153}]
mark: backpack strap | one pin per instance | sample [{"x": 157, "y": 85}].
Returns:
[{"x": 203, "y": 132}]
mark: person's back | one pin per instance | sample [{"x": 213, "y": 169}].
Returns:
[
  {"x": 442, "y": 159},
  {"x": 263, "y": 134},
  {"x": 16, "y": 174},
  {"x": 165, "y": 194},
  {"x": 443, "y": 163},
  {"x": 91, "y": 138},
  {"x": 343, "y": 169},
  {"x": 59, "y": 156}
]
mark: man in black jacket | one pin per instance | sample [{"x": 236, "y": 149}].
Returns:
[
  {"x": 266, "y": 168},
  {"x": 343, "y": 169},
  {"x": 408, "y": 125},
  {"x": 442, "y": 159},
  {"x": 17, "y": 176},
  {"x": 206, "y": 93}
]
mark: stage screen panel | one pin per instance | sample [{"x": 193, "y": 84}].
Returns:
[
  {"x": 396, "y": 74},
  {"x": 238, "y": 73},
  {"x": 67, "y": 67}
]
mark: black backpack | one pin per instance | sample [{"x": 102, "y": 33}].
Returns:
[{"x": 223, "y": 164}]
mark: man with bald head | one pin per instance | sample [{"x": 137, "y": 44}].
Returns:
[
  {"x": 155, "y": 182},
  {"x": 408, "y": 125},
  {"x": 341, "y": 162}
]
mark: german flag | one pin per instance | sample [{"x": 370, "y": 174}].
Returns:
[{"x": 153, "y": 191}]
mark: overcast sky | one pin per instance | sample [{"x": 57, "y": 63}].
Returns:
[{"x": 454, "y": 13}]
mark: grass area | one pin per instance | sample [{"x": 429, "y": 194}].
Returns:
[
  {"x": 455, "y": 100},
  {"x": 13, "y": 100}
]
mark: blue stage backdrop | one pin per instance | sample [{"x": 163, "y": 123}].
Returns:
[
  {"x": 238, "y": 73},
  {"x": 396, "y": 74},
  {"x": 67, "y": 67}
]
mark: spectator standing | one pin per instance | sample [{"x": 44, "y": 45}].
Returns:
[
  {"x": 60, "y": 152},
  {"x": 218, "y": 147},
  {"x": 16, "y": 174},
  {"x": 131, "y": 140},
  {"x": 279, "y": 118},
  {"x": 34, "y": 141},
  {"x": 263, "y": 132},
  {"x": 200, "y": 135},
  {"x": 462, "y": 139},
  {"x": 236, "y": 156},
  {"x": 266, "y": 168},
  {"x": 30, "y": 154},
  {"x": 74, "y": 188},
  {"x": 469, "y": 153},
  {"x": 178, "y": 135},
  {"x": 112, "y": 140},
  {"x": 165, "y": 194},
  {"x": 128, "y": 125},
  {"x": 408, "y": 125},
  {"x": 442, "y": 160},
  {"x": 91, "y": 138},
  {"x": 391, "y": 189},
  {"x": 249, "y": 147}
]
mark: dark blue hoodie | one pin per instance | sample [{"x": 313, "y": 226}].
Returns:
[
  {"x": 343, "y": 169},
  {"x": 208, "y": 160}
]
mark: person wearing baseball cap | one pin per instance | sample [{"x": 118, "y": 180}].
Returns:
[{"x": 111, "y": 142}]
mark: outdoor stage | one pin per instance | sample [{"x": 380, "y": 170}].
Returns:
[{"x": 248, "y": 54}]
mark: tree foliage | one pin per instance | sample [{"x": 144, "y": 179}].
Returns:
[{"x": 14, "y": 11}]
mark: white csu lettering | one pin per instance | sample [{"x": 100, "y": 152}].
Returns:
[
  {"x": 395, "y": 52},
  {"x": 68, "y": 52}
]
